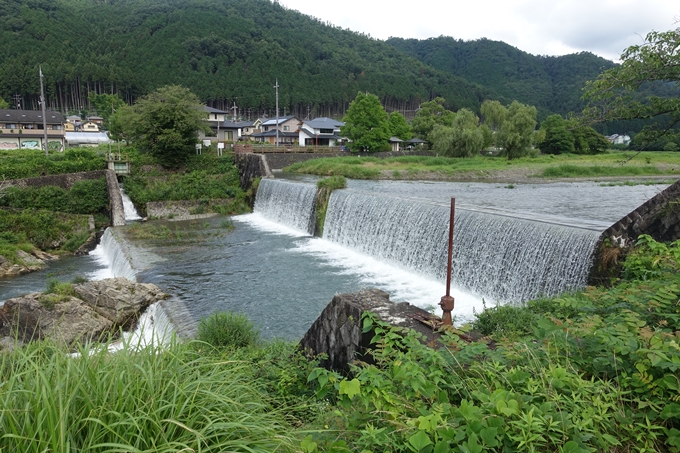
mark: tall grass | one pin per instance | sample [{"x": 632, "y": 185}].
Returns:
[
  {"x": 576, "y": 171},
  {"x": 136, "y": 400}
]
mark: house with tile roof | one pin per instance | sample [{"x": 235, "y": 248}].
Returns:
[
  {"x": 23, "y": 129},
  {"x": 320, "y": 132}
]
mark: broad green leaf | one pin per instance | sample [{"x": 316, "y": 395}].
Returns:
[
  {"x": 419, "y": 440},
  {"x": 350, "y": 388}
]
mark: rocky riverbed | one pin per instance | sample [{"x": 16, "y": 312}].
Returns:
[{"x": 89, "y": 311}]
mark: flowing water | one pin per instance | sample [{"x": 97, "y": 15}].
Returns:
[{"x": 510, "y": 244}]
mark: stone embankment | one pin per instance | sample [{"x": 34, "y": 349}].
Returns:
[
  {"x": 94, "y": 311},
  {"x": 65, "y": 181},
  {"x": 658, "y": 217},
  {"x": 337, "y": 332}
]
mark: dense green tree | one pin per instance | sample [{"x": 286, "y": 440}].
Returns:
[
  {"x": 3, "y": 104},
  {"x": 557, "y": 140},
  {"x": 399, "y": 127},
  {"x": 106, "y": 104},
  {"x": 517, "y": 130},
  {"x": 586, "y": 139},
  {"x": 615, "y": 95},
  {"x": 166, "y": 124},
  {"x": 366, "y": 124},
  {"x": 429, "y": 114},
  {"x": 552, "y": 84}
]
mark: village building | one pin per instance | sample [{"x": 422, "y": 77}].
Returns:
[
  {"x": 320, "y": 132},
  {"x": 23, "y": 129}
]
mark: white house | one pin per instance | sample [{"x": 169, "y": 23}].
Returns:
[{"x": 320, "y": 132}]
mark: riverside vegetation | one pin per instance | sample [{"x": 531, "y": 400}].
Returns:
[
  {"x": 56, "y": 220},
  {"x": 595, "y": 370},
  {"x": 535, "y": 168}
]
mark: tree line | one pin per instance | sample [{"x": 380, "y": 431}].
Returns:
[{"x": 226, "y": 51}]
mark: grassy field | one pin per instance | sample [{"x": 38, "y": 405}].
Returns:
[{"x": 480, "y": 168}]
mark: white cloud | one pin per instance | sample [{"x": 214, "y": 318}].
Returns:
[{"x": 540, "y": 27}]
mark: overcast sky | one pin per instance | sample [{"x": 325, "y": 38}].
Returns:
[{"x": 540, "y": 27}]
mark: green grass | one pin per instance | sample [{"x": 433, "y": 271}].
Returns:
[
  {"x": 45, "y": 230},
  {"x": 614, "y": 163},
  {"x": 137, "y": 400}
]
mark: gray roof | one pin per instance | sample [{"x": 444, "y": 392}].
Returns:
[
  {"x": 282, "y": 119},
  {"x": 415, "y": 141},
  {"x": 272, "y": 133},
  {"x": 31, "y": 116},
  {"x": 212, "y": 110},
  {"x": 324, "y": 123},
  {"x": 395, "y": 140},
  {"x": 86, "y": 138}
]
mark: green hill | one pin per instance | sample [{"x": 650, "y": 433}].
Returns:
[
  {"x": 225, "y": 51},
  {"x": 552, "y": 84}
]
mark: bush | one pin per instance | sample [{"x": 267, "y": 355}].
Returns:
[{"x": 227, "y": 329}]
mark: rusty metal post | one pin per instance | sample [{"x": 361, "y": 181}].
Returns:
[{"x": 447, "y": 301}]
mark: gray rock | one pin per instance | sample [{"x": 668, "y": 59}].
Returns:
[
  {"x": 118, "y": 299},
  {"x": 100, "y": 309}
]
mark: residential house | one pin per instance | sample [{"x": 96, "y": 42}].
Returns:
[
  {"x": 98, "y": 120},
  {"x": 89, "y": 126},
  {"x": 320, "y": 132},
  {"x": 288, "y": 130},
  {"x": 23, "y": 129},
  {"x": 617, "y": 139}
]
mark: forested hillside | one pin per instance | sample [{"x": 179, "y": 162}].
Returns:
[
  {"x": 225, "y": 51},
  {"x": 552, "y": 84}
]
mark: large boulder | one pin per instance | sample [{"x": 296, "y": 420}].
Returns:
[
  {"x": 118, "y": 299},
  {"x": 98, "y": 309},
  {"x": 27, "y": 262}
]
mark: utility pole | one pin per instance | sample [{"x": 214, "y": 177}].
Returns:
[
  {"x": 42, "y": 103},
  {"x": 235, "y": 109},
  {"x": 277, "y": 111},
  {"x": 17, "y": 101}
]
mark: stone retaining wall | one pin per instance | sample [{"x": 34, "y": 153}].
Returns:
[
  {"x": 337, "y": 332},
  {"x": 251, "y": 166},
  {"x": 659, "y": 217},
  {"x": 67, "y": 180}
]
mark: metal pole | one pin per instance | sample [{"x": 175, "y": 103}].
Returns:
[
  {"x": 277, "y": 112},
  {"x": 42, "y": 103},
  {"x": 447, "y": 302}
]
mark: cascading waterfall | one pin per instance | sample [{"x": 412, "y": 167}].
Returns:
[
  {"x": 503, "y": 258},
  {"x": 111, "y": 252},
  {"x": 128, "y": 207},
  {"x": 288, "y": 203},
  {"x": 154, "y": 326}
]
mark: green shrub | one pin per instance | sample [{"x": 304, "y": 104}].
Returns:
[{"x": 227, "y": 329}]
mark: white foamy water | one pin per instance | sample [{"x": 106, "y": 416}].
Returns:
[
  {"x": 129, "y": 208},
  {"x": 402, "y": 284},
  {"x": 261, "y": 223}
]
